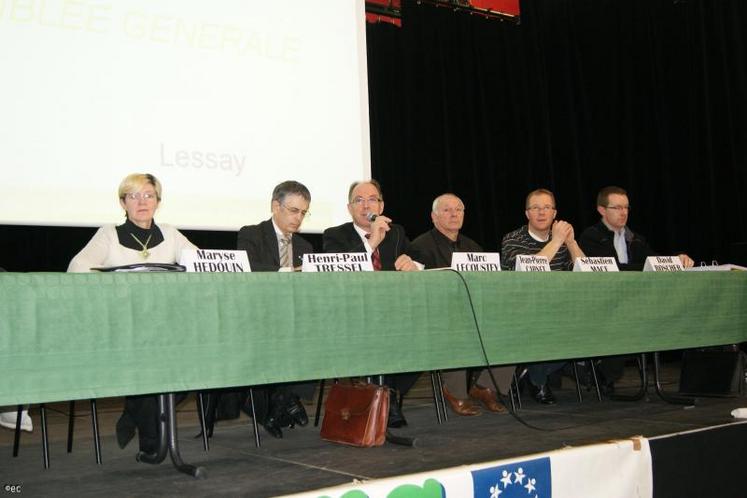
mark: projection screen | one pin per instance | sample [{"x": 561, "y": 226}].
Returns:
[{"x": 220, "y": 100}]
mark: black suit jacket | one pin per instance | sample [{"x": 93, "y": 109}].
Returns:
[
  {"x": 598, "y": 240},
  {"x": 344, "y": 238},
  {"x": 434, "y": 250},
  {"x": 261, "y": 245}
]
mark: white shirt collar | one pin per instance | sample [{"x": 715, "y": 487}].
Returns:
[
  {"x": 536, "y": 237},
  {"x": 278, "y": 232},
  {"x": 362, "y": 233}
]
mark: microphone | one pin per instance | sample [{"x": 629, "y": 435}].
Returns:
[{"x": 371, "y": 217}]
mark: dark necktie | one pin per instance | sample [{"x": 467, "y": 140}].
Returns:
[{"x": 375, "y": 257}]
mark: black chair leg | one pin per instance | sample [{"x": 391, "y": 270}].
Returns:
[
  {"x": 437, "y": 394},
  {"x": 669, "y": 398},
  {"x": 94, "y": 424},
  {"x": 211, "y": 411},
  {"x": 578, "y": 383},
  {"x": 513, "y": 391},
  {"x": 70, "y": 431},
  {"x": 96, "y": 436},
  {"x": 255, "y": 425},
  {"x": 45, "y": 438},
  {"x": 517, "y": 388},
  {"x": 595, "y": 378},
  {"x": 434, "y": 387},
  {"x": 441, "y": 396},
  {"x": 17, "y": 435},
  {"x": 319, "y": 399},
  {"x": 203, "y": 425},
  {"x": 643, "y": 390},
  {"x": 70, "y": 425}
]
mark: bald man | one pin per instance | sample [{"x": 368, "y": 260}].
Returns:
[{"x": 434, "y": 249}]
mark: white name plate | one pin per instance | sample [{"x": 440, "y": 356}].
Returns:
[
  {"x": 531, "y": 262},
  {"x": 663, "y": 263},
  {"x": 476, "y": 261},
  {"x": 215, "y": 261},
  {"x": 595, "y": 264},
  {"x": 339, "y": 261}
]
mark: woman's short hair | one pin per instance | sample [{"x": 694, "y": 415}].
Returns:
[{"x": 134, "y": 182}]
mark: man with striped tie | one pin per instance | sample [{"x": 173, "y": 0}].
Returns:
[{"x": 274, "y": 245}]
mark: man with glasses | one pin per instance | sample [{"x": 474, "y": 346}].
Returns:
[
  {"x": 370, "y": 231},
  {"x": 434, "y": 249},
  {"x": 611, "y": 237},
  {"x": 543, "y": 235},
  {"x": 274, "y": 245},
  {"x": 386, "y": 243}
]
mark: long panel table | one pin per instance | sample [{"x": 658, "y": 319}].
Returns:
[{"x": 79, "y": 336}]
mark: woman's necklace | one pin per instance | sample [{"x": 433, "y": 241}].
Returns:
[{"x": 145, "y": 253}]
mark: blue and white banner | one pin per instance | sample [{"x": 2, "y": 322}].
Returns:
[
  {"x": 618, "y": 469},
  {"x": 525, "y": 479}
]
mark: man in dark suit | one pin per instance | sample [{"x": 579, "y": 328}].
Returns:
[
  {"x": 611, "y": 237},
  {"x": 274, "y": 245},
  {"x": 370, "y": 231},
  {"x": 266, "y": 243},
  {"x": 386, "y": 243}
]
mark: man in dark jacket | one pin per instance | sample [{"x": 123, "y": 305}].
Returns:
[
  {"x": 372, "y": 232},
  {"x": 274, "y": 245},
  {"x": 611, "y": 237},
  {"x": 434, "y": 249}
]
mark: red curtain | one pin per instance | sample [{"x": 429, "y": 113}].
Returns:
[
  {"x": 375, "y": 17},
  {"x": 508, "y": 7}
]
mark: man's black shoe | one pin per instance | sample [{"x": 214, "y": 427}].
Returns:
[
  {"x": 542, "y": 394},
  {"x": 296, "y": 411},
  {"x": 125, "y": 430},
  {"x": 278, "y": 410},
  {"x": 148, "y": 445},
  {"x": 396, "y": 418},
  {"x": 271, "y": 426}
]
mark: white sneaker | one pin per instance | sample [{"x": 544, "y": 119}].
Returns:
[{"x": 8, "y": 420}]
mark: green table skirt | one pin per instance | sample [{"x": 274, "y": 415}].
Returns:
[{"x": 74, "y": 336}]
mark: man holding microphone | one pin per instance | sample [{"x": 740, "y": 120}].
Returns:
[{"x": 385, "y": 242}]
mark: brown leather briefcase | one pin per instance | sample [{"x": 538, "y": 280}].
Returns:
[{"x": 356, "y": 415}]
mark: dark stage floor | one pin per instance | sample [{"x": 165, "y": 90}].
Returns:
[{"x": 302, "y": 461}]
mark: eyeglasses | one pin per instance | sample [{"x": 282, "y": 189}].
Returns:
[
  {"x": 136, "y": 196},
  {"x": 295, "y": 211},
  {"x": 359, "y": 201},
  {"x": 538, "y": 209},
  {"x": 618, "y": 208}
]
